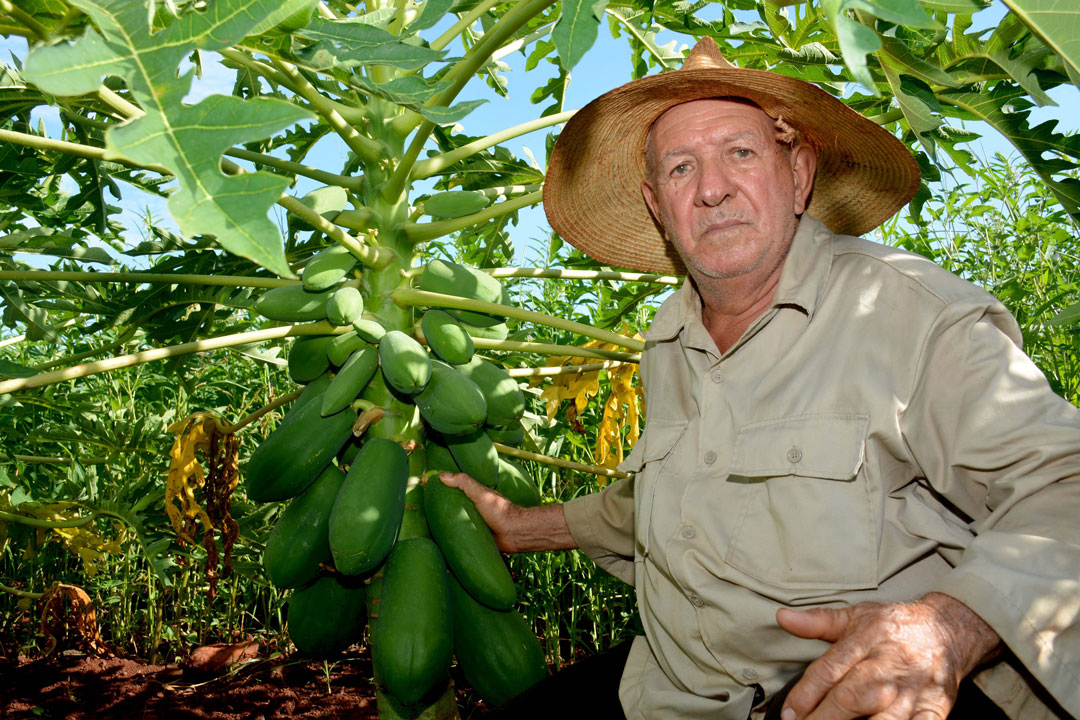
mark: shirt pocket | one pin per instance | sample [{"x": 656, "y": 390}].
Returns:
[
  {"x": 807, "y": 520},
  {"x": 647, "y": 460}
]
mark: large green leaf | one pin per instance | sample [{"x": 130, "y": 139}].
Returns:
[
  {"x": 1004, "y": 109},
  {"x": 1057, "y": 22},
  {"x": 187, "y": 140},
  {"x": 576, "y": 30},
  {"x": 349, "y": 43}
]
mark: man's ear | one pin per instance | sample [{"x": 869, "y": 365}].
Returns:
[
  {"x": 650, "y": 201},
  {"x": 803, "y": 169}
]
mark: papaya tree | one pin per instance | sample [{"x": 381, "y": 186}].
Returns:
[{"x": 403, "y": 357}]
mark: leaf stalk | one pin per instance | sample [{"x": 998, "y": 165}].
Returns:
[
  {"x": 559, "y": 462},
  {"x": 408, "y": 297},
  {"x": 420, "y": 232}
]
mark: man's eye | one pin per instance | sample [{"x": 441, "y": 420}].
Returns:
[
  {"x": 743, "y": 153},
  {"x": 680, "y": 169}
]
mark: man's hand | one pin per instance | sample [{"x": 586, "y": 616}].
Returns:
[
  {"x": 516, "y": 529},
  {"x": 887, "y": 662}
]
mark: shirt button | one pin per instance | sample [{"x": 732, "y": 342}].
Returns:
[
  {"x": 749, "y": 674},
  {"x": 689, "y": 532},
  {"x": 717, "y": 376},
  {"x": 794, "y": 455},
  {"x": 710, "y": 457},
  {"x": 696, "y": 601}
]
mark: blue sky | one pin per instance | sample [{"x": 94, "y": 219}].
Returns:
[{"x": 604, "y": 67}]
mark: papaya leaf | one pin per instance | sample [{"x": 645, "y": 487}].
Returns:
[
  {"x": 576, "y": 30},
  {"x": 186, "y": 140},
  {"x": 856, "y": 41},
  {"x": 433, "y": 12},
  {"x": 970, "y": 59},
  {"x": 17, "y": 309},
  {"x": 918, "y": 104},
  {"x": 412, "y": 92},
  {"x": 1057, "y": 23},
  {"x": 347, "y": 44},
  {"x": 1004, "y": 108},
  {"x": 9, "y": 369},
  {"x": 898, "y": 54},
  {"x": 959, "y": 7}
]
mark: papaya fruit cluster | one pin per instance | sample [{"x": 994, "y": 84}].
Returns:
[{"x": 346, "y": 544}]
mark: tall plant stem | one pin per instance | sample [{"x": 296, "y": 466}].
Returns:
[
  {"x": 552, "y": 349},
  {"x": 364, "y": 147},
  {"x": 25, "y": 18},
  {"x": 373, "y": 257},
  {"x": 459, "y": 75},
  {"x": 245, "y": 421},
  {"x": 198, "y": 346},
  {"x": 141, "y": 277},
  {"x": 50, "y": 524},
  {"x": 408, "y": 297},
  {"x": 12, "y": 340},
  {"x": 349, "y": 183},
  {"x": 582, "y": 275},
  {"x": 465, "y": 21},
  {"x": 559, "y": 462},
  {"x": 419, "y": 232},
  {"x": 553, "y": 370},
  {"x": 45, "y": 460},
  {"x": 427, "y": 168},
  {"x": 21, "y": 593},
  {"x": 70, "y": 148}
]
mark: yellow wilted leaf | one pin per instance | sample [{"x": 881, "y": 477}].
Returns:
[
  {"x": 83, "y": 540},
  {"x": 185, "y": 475}
]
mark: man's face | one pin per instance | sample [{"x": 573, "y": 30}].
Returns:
[{"x": 725, "y": 191}]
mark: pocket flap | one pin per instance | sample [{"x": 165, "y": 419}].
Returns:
[
  {"x": 655, "y": 442},
  {"x": 828, "y": 446}
]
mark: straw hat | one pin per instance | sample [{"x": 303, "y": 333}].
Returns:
[{"x": 592, "y": 194}]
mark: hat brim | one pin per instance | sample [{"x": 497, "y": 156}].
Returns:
[{"x": 592, "y": 192}]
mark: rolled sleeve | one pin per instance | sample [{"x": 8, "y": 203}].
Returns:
[
  {"x": 603, "y": 526},
  {"x": 994, "y": 440}
]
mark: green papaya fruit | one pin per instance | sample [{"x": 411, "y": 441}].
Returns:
[
  {"x": 468, "y": 545},
  {"x": 292, "y": 303},
  {"x": 498, "y": 331},
  {"x": 290, "y": 459},
  {"x": 476, "y": 455},
  {"x": 367, "y": 511},
  {"x": 326, "y": 617},
  {"x": 512, "y": 434},
  {"x": 446, "y": 336},
  {"x": 344, "y": 306},
  {"x": 343, "y": 346},
  {"x": 406, "y": 366},
  {"x": 515, "y": 484},
  {"x": 450, "y": 402},
  {"x": 298, "y": 542},
  {"x": 308, "y": 359},
  {"x": 450, "y": 278},
  {"x": 369, "y": 330},
  {"x": 505, "y": 400},
  {"x": 497, "y": 651},
  {"x": 411, "y": 646},
  {"x": 455, "y": 203},
  {"x": 438, "y": 455},
  {"x": 353, "y": 377},
  {"x": 327, "y": 268}
]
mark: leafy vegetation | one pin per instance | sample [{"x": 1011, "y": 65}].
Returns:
[{"x": 340, "y": 130}]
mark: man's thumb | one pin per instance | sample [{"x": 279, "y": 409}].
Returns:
[{"x": 822, "y": 623}]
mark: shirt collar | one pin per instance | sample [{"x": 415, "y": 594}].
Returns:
[{"x": 802, "y": 281}]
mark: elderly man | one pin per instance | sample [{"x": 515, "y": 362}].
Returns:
[{"x": 852, "y": 484}]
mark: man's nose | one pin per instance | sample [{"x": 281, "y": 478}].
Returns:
[{"x": 714, "y": 183}]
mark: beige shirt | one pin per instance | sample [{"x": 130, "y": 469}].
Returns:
[{"x": 876, "y": 435}]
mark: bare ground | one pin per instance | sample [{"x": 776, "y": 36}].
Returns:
[{"x": 76, "y": 686}]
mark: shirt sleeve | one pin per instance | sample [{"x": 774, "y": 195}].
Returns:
[
  {"x": 603, "y": 525},
  {"x": 997, "y": 443}
]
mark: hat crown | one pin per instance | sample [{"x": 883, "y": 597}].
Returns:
[{"x": 706, "y": 56}]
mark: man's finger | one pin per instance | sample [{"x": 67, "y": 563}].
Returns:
[
  {"x": 822, "y": 623},
  {"x": 819, "y": 680}
]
